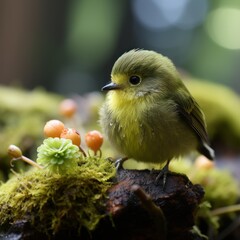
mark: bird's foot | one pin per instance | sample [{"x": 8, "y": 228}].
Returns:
[
  {"x": 163, "y": 173},
  {"x": 119, "y": 162}
]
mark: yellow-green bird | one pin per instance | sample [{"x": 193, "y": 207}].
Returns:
[{"x": 149, "y": 114}]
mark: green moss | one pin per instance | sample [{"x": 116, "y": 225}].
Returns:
[
  {"x": 220, "y": 105},
  {"x": 53, "y": 202},
  {"x": 23, "y": 115},
  {"x": 221, "y": 189}
]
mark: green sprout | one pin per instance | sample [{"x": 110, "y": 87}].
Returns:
[{"x": 59, "y": 155}]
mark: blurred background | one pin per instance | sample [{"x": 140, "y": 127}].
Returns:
[{"x": 69, "y": 46}]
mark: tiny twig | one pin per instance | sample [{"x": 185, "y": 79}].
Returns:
[
  {"x": 224, "y": 210},
  {"x": 14, "y": 173},
  {"x": 100, "y": 153},
  {"x": 16, "y": 154},
  {"x": 83, "y": 152},
  {"x": 96, "y": 153},
  {"x": 27, "y": 160},
  {"x": 31, "y": 162},
  {"x": 14, "y": 159}
]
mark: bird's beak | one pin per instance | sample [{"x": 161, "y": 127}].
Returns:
[{"x": 111, "y": 86}]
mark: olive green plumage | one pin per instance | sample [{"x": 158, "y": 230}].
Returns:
[{"x": 149, "y": 114}]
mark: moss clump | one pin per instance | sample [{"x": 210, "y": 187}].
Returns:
[
  {"x": 53, "y": 202},
  {"x": 22, "y": 116},
  {"x": 223, "y": 120},
  {"x": 221, "y": 189}
]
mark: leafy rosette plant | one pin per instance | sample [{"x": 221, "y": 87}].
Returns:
[{"x": 59, "y": 155}]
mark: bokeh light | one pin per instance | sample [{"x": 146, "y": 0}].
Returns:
[
  {"x": 168, "y": 26},
  {"x": 72, "y": 48},
  {"x": 158, "y": 15},
  {"x": 223, "y": 26}
]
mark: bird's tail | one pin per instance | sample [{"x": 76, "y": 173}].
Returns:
[{"x": 207, "y": 151}]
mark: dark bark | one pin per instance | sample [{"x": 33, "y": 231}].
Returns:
[{"x": 142, "y": 209}]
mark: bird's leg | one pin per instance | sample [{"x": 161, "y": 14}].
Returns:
[
  {"x": 119, "y": 162},
  {"x": 163, "y": 174}
]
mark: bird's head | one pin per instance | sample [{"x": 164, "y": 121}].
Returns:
[{"x": 139, "y": 73}]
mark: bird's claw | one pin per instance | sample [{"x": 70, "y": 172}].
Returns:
[
  {"x": 163, "y": 173},
  {"x": 119, "y": 162}
]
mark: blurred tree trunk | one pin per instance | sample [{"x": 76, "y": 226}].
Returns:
[{"x": 28, "y": 30}]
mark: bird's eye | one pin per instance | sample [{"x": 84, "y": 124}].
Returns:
[{"x": 134, "y": 80}]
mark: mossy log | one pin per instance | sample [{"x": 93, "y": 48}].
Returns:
[{"x": 136, "y": 207}]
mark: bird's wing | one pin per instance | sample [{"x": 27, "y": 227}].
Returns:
[{"x": 191, "y": 113}]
